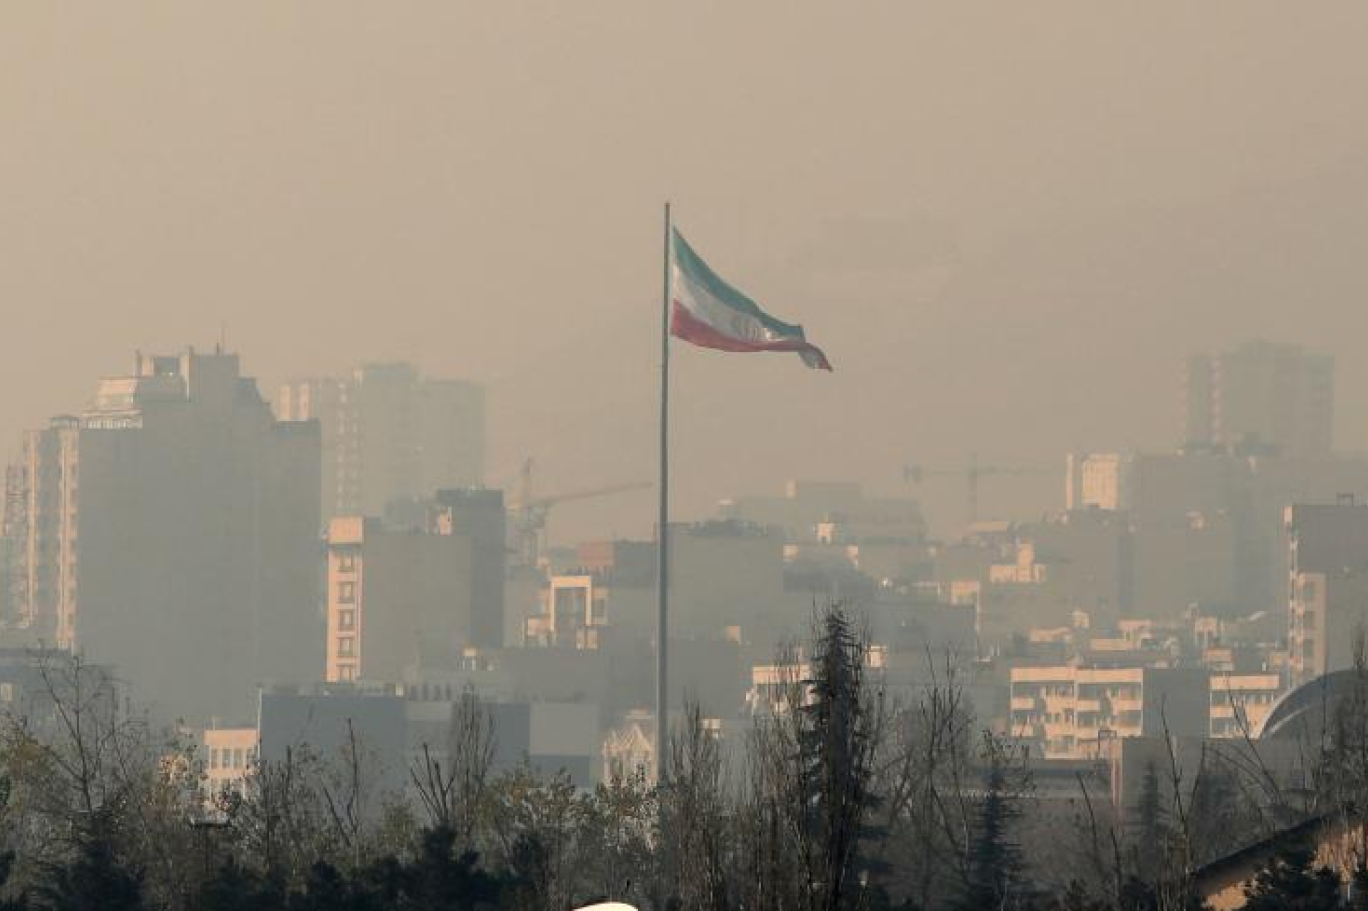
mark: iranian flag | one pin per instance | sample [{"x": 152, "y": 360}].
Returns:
[{"x": 711, "y": 313}]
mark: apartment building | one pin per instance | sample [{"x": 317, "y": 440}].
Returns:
[
  {"x": 388, "y": 433},
  {"x": 396, "y": 591},
  {"x": 1327, "y": 549},
  {"x": 1070, "y": 711},
  {"x": 171, "y": 531}
]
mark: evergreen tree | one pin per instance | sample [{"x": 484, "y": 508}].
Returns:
[
  {"x": 1151, "y": 834},
  {"x": 94, "y": 879},
  {"x": 236, "y": 888},
  {"x": 838, "y": 739},
  {"x": 1358, "y": 889},
  {"x": 325, "y": 889},
  {"x": 1291, "y": 882},
  {"x": 1077, "y": 898},
  {"x": 994, "y": 860},
  {"x": 18, "y": 903},
  {"x": 441, "y": 880}
]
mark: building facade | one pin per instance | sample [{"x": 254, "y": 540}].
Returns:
[
  {"x": 389, "y": 433},
  {"x": 397, "y": 591},
  {"x": 1071, "y": 711},
  {"x": 171, "y": 531},
  {"x": 1261, "y": 395},
  {"x": 1327, "y": 550}
]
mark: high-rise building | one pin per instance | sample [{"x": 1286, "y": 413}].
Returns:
[
  {"x": 1327, "y": 587},
  {"x": 171, "y": 531},
  {"x": 1097, "y": 480},
  {"x": 389, "y": 433},
  {"x": 1261, "y": 396},
  {"x": 397, "y": 590}
]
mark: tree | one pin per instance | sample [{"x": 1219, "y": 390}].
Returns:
[
  {"x": 19, "y": 902},
  {"x": 1290, "y": 881},
  {"x": 94, "y": 879},
  {"x": 1358, "y": 888},
  {"x": 441, "y": 880},
  {"x": 1151, "y": 833},
  {"x": 453, "y": 794},
  {"x": 234, "y": 887},
  {"x": 535, "y": 825},
  {"x": 840, "y": 732},
  {"x": 994, "y": 860}
]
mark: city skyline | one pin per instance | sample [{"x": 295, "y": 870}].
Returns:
[
  {"x": 977, "y": 518},
  {"x": 952, "y": 202}
]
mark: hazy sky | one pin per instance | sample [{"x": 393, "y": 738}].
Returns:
[{"x": 1007, "y": 224}]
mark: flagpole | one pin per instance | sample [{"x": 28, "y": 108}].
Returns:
[{"x": 662, "y": 738}]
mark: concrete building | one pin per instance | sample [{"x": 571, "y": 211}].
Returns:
[
  {"x": 1097, "y": 480},
  {"x": 727, "y": 580},
  {"x": 1327, "y": 550},
  {"x": 1208, "y": 525},
  {"x": 1261, "y": 395},
  {"x": 394, "y": 591},
  {"x": 1192, "y": 561},
  {"x": 807, "y": 504},
  {"x": 1070, "y": 711},
  {"x": 1241, "y": 702},
  {"x": 228, "y": 755},
  {"x": 1042, "y": 575},
  {"x": 336, "y": 726},
  {"x": 390, "y": 433},
  {"x": 551, "y": 737},
  {"x": 171, "y": 530}
]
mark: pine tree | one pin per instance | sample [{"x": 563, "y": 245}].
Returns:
[
  {"x": 1151, "y": 834},
  {"x": 838, "y": 740},
  {"x": 1358, "y": 889},
  {"x": 236, "y": 888},
  {"x": 1291, "y": 882},
  {"x": 442, "y": 880},
  {"x": 19, "y": 903},
  {"x": 94, "y": 880},
  {"x": 994, "y": 860}
]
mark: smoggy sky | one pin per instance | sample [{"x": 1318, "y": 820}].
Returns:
[{"x": 1007, "y": 224}]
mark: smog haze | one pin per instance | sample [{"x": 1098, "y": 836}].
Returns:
[{"x": 1007, "y": 224}]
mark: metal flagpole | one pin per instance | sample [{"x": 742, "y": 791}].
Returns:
[{"x": 662, "y": 738}]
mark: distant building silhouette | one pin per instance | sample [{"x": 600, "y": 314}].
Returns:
[
  {"x": 171, "y": 531},
  {"x": 397, "y": 588},
  {"x": 389, "y": 433},
  {"x": 1328, "y": 587},
  {"x": 1261, "y": 396}
]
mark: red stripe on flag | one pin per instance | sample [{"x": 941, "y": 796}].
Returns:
[{"x": 685, "y": 325}]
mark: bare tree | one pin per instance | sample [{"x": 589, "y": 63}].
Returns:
[
  {"x": 453, "y": 795},
  {"x": 693, "y": 817}
]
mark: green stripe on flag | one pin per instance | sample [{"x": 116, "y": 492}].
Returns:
[{"x": 699, "y": 273}]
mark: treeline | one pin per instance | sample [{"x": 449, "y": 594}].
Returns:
[{"x": 839, "y": 798}]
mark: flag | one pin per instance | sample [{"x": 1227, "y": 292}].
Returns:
[{"x": 711, "y": 313}]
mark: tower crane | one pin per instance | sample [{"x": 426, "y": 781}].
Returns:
[
  {"x": 973, "y": 473},
  {"x": 528, "y": 512}
]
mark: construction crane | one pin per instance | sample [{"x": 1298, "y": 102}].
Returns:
[
  {"x": 528, "y": 513},
  {"x": 973, "y": 473}
]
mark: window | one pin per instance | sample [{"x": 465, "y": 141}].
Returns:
[
  {"x": 347, "y": 672},
  {"x": 346, "y": 563},
  {"x": 213, "y": 758},
  {"x": 346, "y": 619},
  {"x": 345, "y": 646},
  {"x": 346, "y": 592},
  {"x": 237, "y": 759}
]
